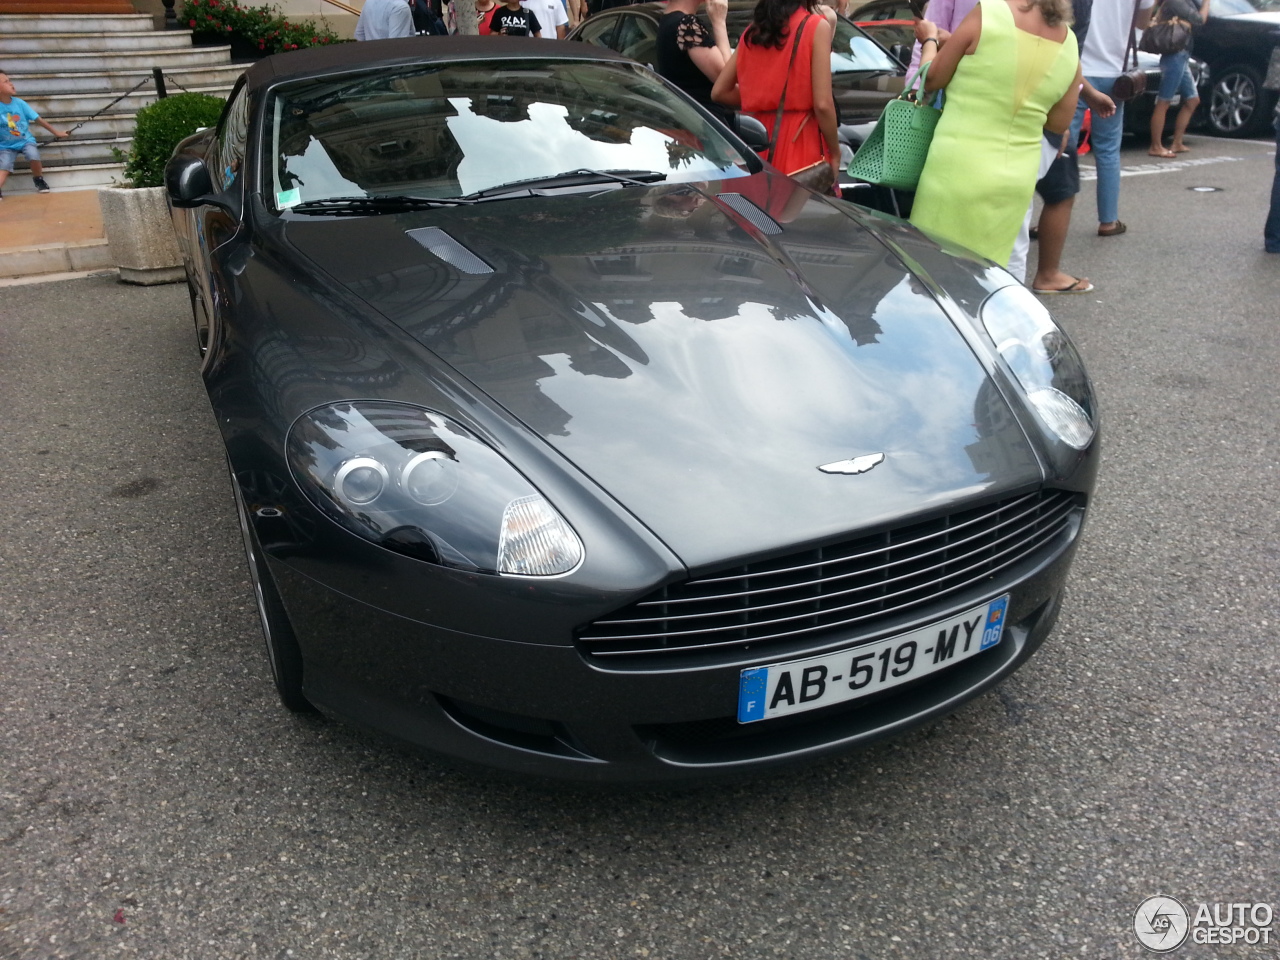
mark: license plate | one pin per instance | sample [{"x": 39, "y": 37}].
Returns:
[{"x": 785, "y": 688}]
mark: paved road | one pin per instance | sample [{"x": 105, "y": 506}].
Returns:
[{"x": 155, "y": 801}]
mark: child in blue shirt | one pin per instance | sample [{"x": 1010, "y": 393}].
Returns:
[{"x": 15, "y": 135}]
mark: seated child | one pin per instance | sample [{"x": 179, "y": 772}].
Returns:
[{"x": 16, "y": 138}]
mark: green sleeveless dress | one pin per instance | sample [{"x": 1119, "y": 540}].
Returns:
[{"x": 981, "y": 170}]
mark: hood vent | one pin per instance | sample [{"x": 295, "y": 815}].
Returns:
[
  {"x": 750, "y": 212},
  {"x": 449, "y": 250}
]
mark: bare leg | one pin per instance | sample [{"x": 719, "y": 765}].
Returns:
[
  {"x": 4, "y": 175},
  {"x": 1180, "y": 124},
  {"x": 37, "y": 168},
  {"x": 1055, "y": 218},
  {"x": 1158, "y": 113}
]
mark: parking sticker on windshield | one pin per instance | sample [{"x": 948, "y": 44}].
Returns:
[{"x": 288, "y": 198}]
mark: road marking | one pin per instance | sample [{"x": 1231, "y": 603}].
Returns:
[{"x": 1167, "y": 166}]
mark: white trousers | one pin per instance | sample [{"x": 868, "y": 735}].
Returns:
[{"x": 1018, "y": 259}]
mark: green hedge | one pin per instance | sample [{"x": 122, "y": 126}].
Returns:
[{"x": 160, "y": 127}]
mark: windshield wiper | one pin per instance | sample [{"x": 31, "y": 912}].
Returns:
[
  {"x": 632, "y": 178},
  {"x": 379, "y": 203}
]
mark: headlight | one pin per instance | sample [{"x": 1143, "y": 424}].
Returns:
[
  {"x": 420, "y": 484},
  {"x": 1044, "y": 362}
]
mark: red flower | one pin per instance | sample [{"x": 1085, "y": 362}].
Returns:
[
  {"x": 191, "y": 23},
  {"x": 229, "y": 28}
]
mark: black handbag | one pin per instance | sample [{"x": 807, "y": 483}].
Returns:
[
  {"x": 1133, "y": 82},
  {"x": 1166, "y": 36}
]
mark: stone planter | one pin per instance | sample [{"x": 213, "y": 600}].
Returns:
[{"x": 140, "y": 235}]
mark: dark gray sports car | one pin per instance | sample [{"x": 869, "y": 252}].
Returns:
[{"x": 569, "y": 438}]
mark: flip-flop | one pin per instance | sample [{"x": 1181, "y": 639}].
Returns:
[
  {"x": 1114, "y": 231},
  {"x": 1072, "y": 287}
]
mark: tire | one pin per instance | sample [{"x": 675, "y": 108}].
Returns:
[
  {"x": 283, "y": 652},
  {"x": 1235, "y": 105}
]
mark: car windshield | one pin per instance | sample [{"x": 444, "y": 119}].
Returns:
[
  {"x": 1230, "y": 8},
  {"x": 458, "y": 129}
]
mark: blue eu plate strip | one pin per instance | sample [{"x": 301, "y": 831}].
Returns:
[{"x": 752, "y": 686}]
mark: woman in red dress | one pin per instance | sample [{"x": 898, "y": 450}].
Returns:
[{"x": 754, "y": 78}]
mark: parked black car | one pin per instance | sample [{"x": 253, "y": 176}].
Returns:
[
  {"x": 864, "y": 76},
  {"x": 1236, "y": 42},
  {"x": 569, "y": 438}
]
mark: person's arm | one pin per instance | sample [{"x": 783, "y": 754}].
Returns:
[
  {"x": 1097, "y": 101},
  {"x": 535, "y": 28},
  {"x": 1059, "y": 119},
  {"x": 54, "y": 130},
  {"x": 945, "y": 59},
  {"x": 711, "y": 60},
  {"x": 725, "y": 90},
  {"x": 401, "y": 20},
  {"x": 560, "y": 19},
  {"x": 1142, "y": 19},
  {"x": 824, "y": 104}
]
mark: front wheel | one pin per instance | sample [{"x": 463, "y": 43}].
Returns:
[
  {"x": 283, "y": 652},
  {"x": 1235, "y": 102}
]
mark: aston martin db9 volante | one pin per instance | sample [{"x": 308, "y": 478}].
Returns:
[{"x": 569, "y": 438}]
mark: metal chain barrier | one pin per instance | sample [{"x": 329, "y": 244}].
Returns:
[
  {"x": 157, "y": 77},
  {"x": 127, "y": 93}
]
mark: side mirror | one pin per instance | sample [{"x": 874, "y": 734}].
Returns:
[
  {"x": 752, "y": 131},
  {"x": 187, "y": 181}
]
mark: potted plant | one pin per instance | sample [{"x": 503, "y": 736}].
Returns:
[
  {"x": 136, "y": 216},
  {"x": 251, "y": 32}
]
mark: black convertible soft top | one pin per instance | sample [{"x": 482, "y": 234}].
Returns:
[{"x": 344, "y": 56}]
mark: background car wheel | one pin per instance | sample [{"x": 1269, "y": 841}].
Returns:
[
  {"x": 1234, "y": 102},
  {"x": 283, "y": 652}
]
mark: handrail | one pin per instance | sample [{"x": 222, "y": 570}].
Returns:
[{"x": 339, "y": 3}]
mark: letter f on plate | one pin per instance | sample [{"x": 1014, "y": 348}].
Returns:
[{"x": 853, "y": 465}]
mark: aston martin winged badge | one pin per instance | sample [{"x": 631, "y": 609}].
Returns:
[{"x": 854, "y": 464}]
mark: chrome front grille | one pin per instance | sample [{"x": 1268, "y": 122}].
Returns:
[{"x": 855, "y": 583}]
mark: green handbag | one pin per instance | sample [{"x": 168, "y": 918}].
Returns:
[{"x": 894, "y": 154}]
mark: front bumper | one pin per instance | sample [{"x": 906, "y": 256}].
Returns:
[{"x": 545, "y": 710}]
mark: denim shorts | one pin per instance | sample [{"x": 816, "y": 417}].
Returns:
[
  {"x": 1175, "y": 77},
  {"x": 9, "y": 154}
]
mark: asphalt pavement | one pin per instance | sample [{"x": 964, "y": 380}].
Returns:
[{"x": 157, "y": 802}]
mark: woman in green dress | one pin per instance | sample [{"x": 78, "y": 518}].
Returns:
[{"x": 1010, "y": 70}]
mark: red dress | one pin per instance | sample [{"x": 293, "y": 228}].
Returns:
[{"x": 762, "y": 73}]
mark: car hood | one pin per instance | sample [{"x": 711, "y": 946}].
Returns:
[
  {"x": 1271, "y": 19},
  {"x": 698, "y": 368}
]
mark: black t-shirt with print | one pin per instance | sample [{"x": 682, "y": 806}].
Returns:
[{"x": 514, "y": 23}]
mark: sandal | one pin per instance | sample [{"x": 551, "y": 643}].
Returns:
[
  {"x": 1112, "y": 230},
  {"x": 1077, "y": 285}
]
